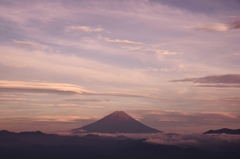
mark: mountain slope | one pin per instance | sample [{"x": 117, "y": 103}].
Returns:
[{"x": 117, "y": 122}]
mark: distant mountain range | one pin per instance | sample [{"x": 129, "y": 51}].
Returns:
[
  {"x": 223, "y": 131},
  {"x": 117, "y": 122},
  {"x": 5, "y": 132}
]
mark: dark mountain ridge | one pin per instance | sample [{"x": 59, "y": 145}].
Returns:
[
  {"x": 224, "y": 131},
  {"x": 29, "y": 145},
  {"x": 117, "y": 122}
]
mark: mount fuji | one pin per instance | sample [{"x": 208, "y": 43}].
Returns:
[{"x": 117, "y": 122}]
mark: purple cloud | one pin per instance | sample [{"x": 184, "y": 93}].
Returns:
[
  {"x": 228, "y": 80},
  {"x": 234, "y": 25}
]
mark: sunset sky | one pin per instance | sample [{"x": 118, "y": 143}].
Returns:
[{"x": 171, "y": 64}]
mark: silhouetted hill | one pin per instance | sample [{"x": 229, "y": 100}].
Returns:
[
  {"x": 223, "y": 131},
  {"x": 5, "y": 132},
  {"x": 117, "y": 122}
]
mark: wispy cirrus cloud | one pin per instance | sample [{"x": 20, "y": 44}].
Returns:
[
  {"x": 218, "y": 27},
  {"x": 166, "y": 52},
  {"x": 69, "y": 105},
  {"x": 84, "y": 100},
  {"x": 160, "y": 52},
  {"x": 95, "y": 107},
  {"x": 62, "y": 65},
  {"x": 60, "y": 118},
  {"x": 232, "y": 100},
  {"x": 220, "y": 85},
  {"x": 12, "y": 99},
  {"x": 87, "y": 29},
  {"x": 180, "y": 68},
  {"x": 118, "y": 41},
  {"x": 29, "y": 44},
  {"x": 180, "y": 116},
  {"x": 210, "y": 27}
]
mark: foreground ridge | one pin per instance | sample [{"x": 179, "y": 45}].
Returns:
[{"x": 224, "y": 131}]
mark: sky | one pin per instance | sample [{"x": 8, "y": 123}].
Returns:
[{"x": 172, "y": 65}]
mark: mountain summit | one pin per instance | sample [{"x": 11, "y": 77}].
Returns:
[{"x": 117, "y": 122}]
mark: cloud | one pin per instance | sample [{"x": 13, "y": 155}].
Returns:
[
  {"x": 163, "y": 53},
  {"x": 95, "y": 107},
  {"x": 117, "y": 41},
  {"x": 180, "y": 68},
  {"x": 235, "y": 100},
  {"x": 84, "y": 100},
  {"x": 120, "y": 94},
  {"x": 234, "y": 25},
  {"x": 41, "y": 87},
  {"x": 80, "y": 66},
  {"x": 29, "y": 44},
  {"x": 228, "y": 80},
  {"x": 199, "y": 140},
  {"x": 45, "y": 123},
  {"x": 60, "y": 118},
  {"x": 16, "y": 64},
  {"x": 220, "y": 85},
  {"x": 203, "y": 6},
  {"x": 181, "y": 140},
  {"x": 237, "y": 53},
  {"x": 86, "y": 29},
  {"x": 12, "y": 99},
  {"x": 54, "y": 105},
  {"x": 188, "y": 117},
  {"x": 210, "y": 27},
  {"x": 190, "y": 121},
  {"x": 82, "y": 105},
  {"x": 57, "y": 88},
  {"x": 166, "y": 52},
  {"x": 149, "y": 50}
]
